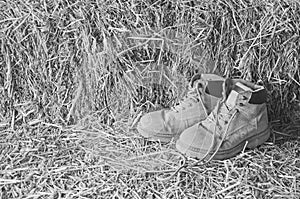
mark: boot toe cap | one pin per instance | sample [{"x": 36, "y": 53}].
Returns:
[
  {"x": 152, "y": 125},
  {"x": 195, "y": 141}
]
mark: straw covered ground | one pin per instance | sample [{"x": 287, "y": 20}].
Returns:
[{"x": 75, "y": 77}]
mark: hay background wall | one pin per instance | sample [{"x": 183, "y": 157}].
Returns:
[{"x": 69, "y": 61}]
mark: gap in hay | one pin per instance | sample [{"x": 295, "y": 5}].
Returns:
[
  {"x": 285, "y": 132},
  {"x": 162, "y": 66}
]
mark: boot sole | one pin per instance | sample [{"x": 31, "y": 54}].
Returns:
[{"x": 253, "y": 142}]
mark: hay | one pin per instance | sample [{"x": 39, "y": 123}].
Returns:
[
  {"x": 75, "y": 76},
  {"x": 44, "y": 161}
]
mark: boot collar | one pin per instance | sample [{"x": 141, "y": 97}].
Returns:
[{"x": 236, "y": 92}]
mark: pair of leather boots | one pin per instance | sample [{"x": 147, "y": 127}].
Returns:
[{"x": 216, "y": 120}]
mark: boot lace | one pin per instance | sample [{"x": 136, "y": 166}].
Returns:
[
  {"x": 193, "y": 96},
  {"x": 222, "y": 117}
]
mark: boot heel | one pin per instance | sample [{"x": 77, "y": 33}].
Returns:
[{"x": 258, "y": 139}]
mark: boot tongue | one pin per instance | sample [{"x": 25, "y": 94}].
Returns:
[
  {"x": 232, "y": 98},
  {"x": 194, "y": 79}
]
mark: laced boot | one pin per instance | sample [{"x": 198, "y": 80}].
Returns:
[
  {"x": 204, "y": 92},
  {"x": 239, "y": 120}
]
